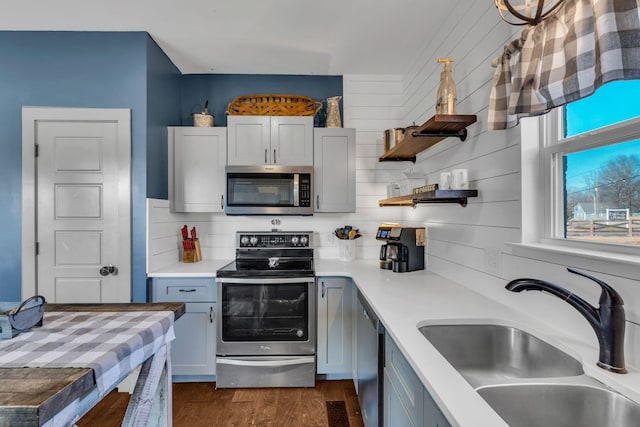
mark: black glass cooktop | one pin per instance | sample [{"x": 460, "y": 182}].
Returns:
[{"x": 271, "y": 263}]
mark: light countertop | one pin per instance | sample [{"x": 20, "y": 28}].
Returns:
[{"x": 406, "y": 301}]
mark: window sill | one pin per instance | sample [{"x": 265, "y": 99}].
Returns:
[{"x": 618, "y": 264}]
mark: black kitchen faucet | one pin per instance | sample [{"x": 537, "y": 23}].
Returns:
[{"x": 608, "y": 320}]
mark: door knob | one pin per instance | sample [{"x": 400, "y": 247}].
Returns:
[{"x": 105, "y": 270}]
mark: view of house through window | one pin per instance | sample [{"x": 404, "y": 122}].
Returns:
[{"x": 602, "y": 184}]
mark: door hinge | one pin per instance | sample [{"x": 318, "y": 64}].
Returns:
[
  {"x": 37, "y": 248},
  {"x": 36, "y": 151}
]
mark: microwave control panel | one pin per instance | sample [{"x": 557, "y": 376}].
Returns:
[{"x": 305, "y": 190}]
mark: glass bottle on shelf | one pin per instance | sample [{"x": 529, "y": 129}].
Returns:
[{"x": 447, "y": 98}]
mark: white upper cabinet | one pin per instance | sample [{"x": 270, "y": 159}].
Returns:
[
  {"x": 270, "y": 140},
  {"x": 335, "y": 169},
  {"x": 197, "y": 157}
]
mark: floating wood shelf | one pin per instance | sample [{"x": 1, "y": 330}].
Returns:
[
  {"x": 436, "y": 196},
  {"x": 434, "y": 130}
]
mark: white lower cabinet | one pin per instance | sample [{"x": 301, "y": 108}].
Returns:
[
  {"x": 403, "y": 391},
  {"x": 433, "y": 416},
  {"x": 193, "y": 352},
  {"x": 395, "y": 414},
  {"x": 406, "y": 401},
  {"x": 335, "y": 313}
]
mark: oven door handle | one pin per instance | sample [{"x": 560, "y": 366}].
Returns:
[
  {"x": 257, "y": 280},
  {"x": 266, "y": 363}
]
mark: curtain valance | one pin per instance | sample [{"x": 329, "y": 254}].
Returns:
[{"x": 586, "y": 44}]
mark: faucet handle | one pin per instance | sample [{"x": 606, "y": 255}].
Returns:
[{"x": 609, "y": 296}]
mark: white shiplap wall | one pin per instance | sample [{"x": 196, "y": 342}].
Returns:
[{"x": 462, "y": 241}]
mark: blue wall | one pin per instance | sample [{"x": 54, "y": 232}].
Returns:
[
  {"x": 221, "y": 89},
  {"x": 111, "y": 70},
  {"x": 70, "y": 69}
]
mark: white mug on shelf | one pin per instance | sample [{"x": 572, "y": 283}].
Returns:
[
  {"x": 459, "y": 179},
  {"x": 445, "y": 181}
]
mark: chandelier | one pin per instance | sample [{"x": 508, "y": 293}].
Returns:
[{"x": 526, "y": 12}]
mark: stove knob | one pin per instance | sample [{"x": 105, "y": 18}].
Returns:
[
  {"x": 244, "y": 240},
  {"x": 304, "y": 240},
  {"x": 294, "y": 240},
  {"x": 254, "y": 240}
]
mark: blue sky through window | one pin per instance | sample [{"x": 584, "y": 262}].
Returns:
[{"x": 611, "y": 103}]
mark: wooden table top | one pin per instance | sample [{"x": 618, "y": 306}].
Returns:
[
  {"x": 32, "y": 396},
  {"x": 178, "y": 308}
]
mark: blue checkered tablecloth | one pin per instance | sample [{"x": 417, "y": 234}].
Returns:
[{"x": 111, "y": 343}]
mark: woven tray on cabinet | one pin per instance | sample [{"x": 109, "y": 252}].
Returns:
[{"x": 273, "y": 105}]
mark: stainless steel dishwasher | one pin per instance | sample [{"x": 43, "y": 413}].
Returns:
[{"x": 370, "y": 363}]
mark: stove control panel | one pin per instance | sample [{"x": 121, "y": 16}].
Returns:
[{"x": 273, "y": 239}]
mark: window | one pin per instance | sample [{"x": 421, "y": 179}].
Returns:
[{"x": 593, "y": 154}]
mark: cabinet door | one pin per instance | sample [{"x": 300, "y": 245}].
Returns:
[
  {"x": 394, "y": 412},
  {"x": 433, "y": 416},
  {"x": 292, "y": 140},
  {"x": 249, "y": 141},
  {"x": 193, "y": 352},
  {"x": 335, "y": 311},
  {"x": 335, "y": 170},
  {"x": 197, "y": 157},
  {"x": 407, "y": 386}
]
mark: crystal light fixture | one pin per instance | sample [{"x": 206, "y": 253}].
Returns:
[{"x": 526, "y": 12}]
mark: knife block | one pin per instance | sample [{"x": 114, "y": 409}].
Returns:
[{"x": 193, "y": 255}]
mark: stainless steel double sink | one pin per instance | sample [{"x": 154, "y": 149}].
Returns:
[{"x": 527, "y": 381}]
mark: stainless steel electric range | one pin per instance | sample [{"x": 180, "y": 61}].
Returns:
[{"x": 267, "y": 304}]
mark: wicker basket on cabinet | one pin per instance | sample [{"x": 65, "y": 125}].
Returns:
[{"x": 273, "y": 105}]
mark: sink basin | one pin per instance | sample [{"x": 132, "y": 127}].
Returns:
[
  {"x": 489, "y": 354},
  {"x": 559, "y": 405}
]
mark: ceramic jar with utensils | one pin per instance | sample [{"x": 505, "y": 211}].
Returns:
[{"x": 347, "y": 236}]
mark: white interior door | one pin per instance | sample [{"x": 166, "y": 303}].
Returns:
[{"x": 82, "y": 207}]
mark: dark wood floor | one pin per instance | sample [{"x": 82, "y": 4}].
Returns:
[{"x": 201, "y": 405}]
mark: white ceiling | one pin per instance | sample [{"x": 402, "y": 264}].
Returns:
[{"x": 322, "y": 37}]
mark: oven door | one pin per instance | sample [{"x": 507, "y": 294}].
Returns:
[{"x": 266, "y": 316}]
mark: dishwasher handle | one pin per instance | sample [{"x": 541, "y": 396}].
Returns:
[{"x": 368, "y": 312}]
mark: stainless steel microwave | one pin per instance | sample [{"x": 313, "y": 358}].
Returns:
[{"x": 269, "y": 190}]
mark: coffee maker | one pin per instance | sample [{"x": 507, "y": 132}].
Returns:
[{"x": 404, "y": 247}]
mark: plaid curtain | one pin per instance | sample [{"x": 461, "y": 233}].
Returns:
[{"x": 586, "y": 44}]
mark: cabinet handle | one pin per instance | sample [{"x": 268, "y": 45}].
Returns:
[
  {"x": 317, "y": 201},
  {"x": 187, "y": 290},
  {"x": 211, "y": 314},
  {"x": 222, "y": 202},
  {"x": 274, "y": 156},
  {"x": 322, "y": 290},
  {"x": 266, "y": 152}
]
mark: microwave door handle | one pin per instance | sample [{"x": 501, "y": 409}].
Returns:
[{"x": 296, "y": 188}]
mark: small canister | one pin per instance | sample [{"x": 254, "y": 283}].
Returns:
[{"x": 203, "y": 119}]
